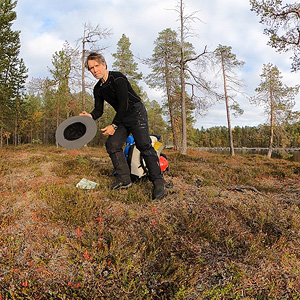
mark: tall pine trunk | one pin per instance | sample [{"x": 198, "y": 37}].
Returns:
[
  {"x": 227, "y": 109},
  {"x": 83, "y": 73},
  {"x": 171, "y": 109},
  {"x": 182, "y": 81},
  {"x": 1, "y": 130},
  {"x": 271, "y": 125}
]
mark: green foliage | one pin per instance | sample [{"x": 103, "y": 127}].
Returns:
[
  {"x": 164, "y": 64},
  {"x": 12, "y": 71},
  {"x": 124, "y": 62},
  {"x": 276, "y": 98},
  {"x": 272, "y": 93},
  {"x": 157, "y": 125},
  {"x": 165, "y": 76},
  {"x": 246, "y": 137},
  {"x": 61, "y": 71},
  {"x": 281, "y": 20},
  {"x": 227, "y": 62},
  {"x": 230, "y": 60},
  {"x": 49, "y": 100}
]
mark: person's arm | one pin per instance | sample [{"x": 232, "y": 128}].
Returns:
[
  {"x": 97, "y": 112},
  {"x": 121, "y": 88},
  {"x": 109, "y": 130}
]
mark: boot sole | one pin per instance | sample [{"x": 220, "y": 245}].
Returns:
[
  {"x": 159, "y": 196},
  {"x": 123, "y": 187},
  {"x": 126, "y": 186}
]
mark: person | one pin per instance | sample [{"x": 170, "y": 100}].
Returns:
[{"x": 131, "y": 117}]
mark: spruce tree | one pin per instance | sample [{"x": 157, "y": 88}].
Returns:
[
  {"x": 124, "y": 62},
  {"x": 13, "y": 72}
]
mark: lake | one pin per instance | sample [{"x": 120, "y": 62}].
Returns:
[{"x": 288, "y": 154}]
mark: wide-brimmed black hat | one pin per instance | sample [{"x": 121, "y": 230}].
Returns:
[{"x": 76, "y": 132}]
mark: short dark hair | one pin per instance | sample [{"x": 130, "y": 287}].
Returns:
[{"x": 97, "y": 57}]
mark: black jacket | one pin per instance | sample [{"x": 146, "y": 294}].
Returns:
[{"x": 116, "y": 91}]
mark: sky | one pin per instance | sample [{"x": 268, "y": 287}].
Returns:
[{"x": 46, "y": 25}]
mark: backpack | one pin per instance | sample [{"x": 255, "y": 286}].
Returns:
[{"x": 136, "y": 162}]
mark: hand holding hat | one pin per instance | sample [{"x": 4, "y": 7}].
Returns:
[
  {"x": 77, "y": 131},
  {"x": 85, "y": 114}
]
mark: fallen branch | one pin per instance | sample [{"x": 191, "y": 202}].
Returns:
[{"x": 241, "y": 188}]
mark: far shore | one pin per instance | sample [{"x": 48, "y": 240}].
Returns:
[{"x": 246, "y": 149}]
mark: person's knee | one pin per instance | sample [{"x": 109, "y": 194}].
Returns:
[
  {"x": 143, "y": 146},
  {"x": 147, "y": 150},
  {"x": 112, "y": 146}
]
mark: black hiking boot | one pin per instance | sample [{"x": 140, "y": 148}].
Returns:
[
  {"x": 120, "y": 185},
  {"x": 158, "y": 191}
]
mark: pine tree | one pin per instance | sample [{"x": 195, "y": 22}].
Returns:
[
  {"x": 13, "y": 72},
  {"x": 49, "y": 110},
  {"x": 165, "y": 76},
  {"x": 282, "y": 21},
  {"x": 276, "y": 98},
  {"x": 44, "y": 90},
  {"x": 19, "y": 79},
  {"x": 228, "y": 62}
]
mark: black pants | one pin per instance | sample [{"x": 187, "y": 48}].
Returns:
[{"x": 136, "y": 123}]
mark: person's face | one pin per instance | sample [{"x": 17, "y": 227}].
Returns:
[{"x": 97, "y": 69}]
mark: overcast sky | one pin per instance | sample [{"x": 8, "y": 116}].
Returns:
[{"x": 46, "y": 25}]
